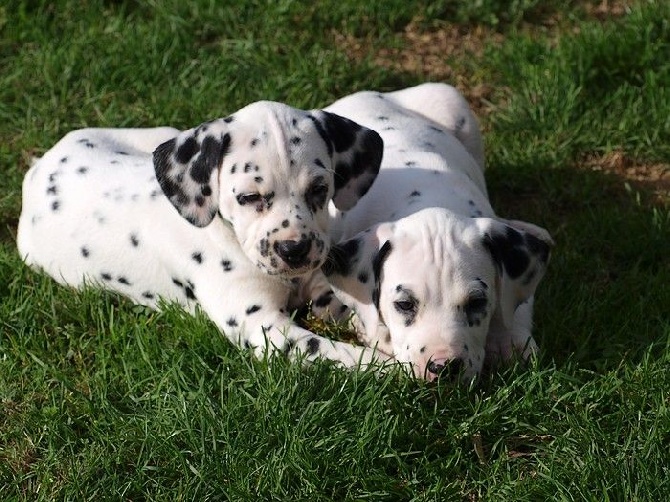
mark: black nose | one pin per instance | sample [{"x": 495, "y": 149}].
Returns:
[
  {"x": 294, "y": 253},
  {"x": 449, "y": 369}
]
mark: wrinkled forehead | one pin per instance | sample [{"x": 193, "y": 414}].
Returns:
[
  {"x": 277, "y": 137},
  {"x": 446, "y": 256}
]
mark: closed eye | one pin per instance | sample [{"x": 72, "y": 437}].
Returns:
[
  {"x": 476, "y": 304},
  {"x": 317, "y": 194},
  {"x": 249, "y": 198},
  {"x": 405, "y": 306}
]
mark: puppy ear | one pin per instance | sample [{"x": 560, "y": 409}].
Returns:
[
  {"x": 354, "y": 269},
  {"x": 356, "y": 152},
  {"x": 187, "y": 169},
  {"x": 520, "y": 252}
]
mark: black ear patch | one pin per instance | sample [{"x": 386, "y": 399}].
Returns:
[
  {"x": 377, "y": 263},
  {"x": 339, "y": 131},
  {"x": 356, "y": 154},
  {"x": 512, "y": 250},
  {"x": 369, "y": 153},
  {"x": 212, "y": 152},
  {"x": 185, "y": 169},
  {"x": 187, "y": 150},
  {"x": 342, "y": 258}
]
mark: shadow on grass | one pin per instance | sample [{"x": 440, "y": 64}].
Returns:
[{"x": 605, "y": 297}]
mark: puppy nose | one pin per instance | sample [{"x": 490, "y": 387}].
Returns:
[
  {"x": 294, "y": 253},
  {"x": 445, "y": 368}
]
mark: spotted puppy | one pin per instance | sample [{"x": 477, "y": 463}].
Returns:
[
  {"x": 230, "y": 215},
  {"x": 437, "y": 280}
]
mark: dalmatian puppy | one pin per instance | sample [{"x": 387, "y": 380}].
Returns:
[
  {"x": 230, "y": 216},
  {"x": 435, "y": 277}
]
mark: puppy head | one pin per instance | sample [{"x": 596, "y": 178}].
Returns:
[
  {"x": 270, "y": 171},
  {"x": 427, "y": 286}
]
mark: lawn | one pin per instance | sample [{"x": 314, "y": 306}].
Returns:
[{"x": 101, "y": 399}]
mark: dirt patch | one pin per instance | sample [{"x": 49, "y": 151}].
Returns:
[
  {"x": 435, "y": 54},
  {"x": 606, "y": 9}
]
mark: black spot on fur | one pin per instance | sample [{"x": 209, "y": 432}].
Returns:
[
  {"x": 509, "y": 251},
  {"x": 538, "y": 247},
  {"x": 341, "y": 258},
  {"x": 134, "y": 240},
  {"x": 85, "y": 252},
  {"x": 188, "y": 291},
  {"x": 55, "y": 205},
  {"x": 187, "y": 150},
  {"x": 148, "y": 295},
  {"x": 212, "y": 152},
  {"x": 380, "y": 257},
  {"x": 106, "y": 276},
  {"x": 323, "y": 133},
  {"x": 197, "y": 257},
  {"x": 232, "y": 322},
  {"x": 313, "y": 346},
  {"x": 252, "y": 308},
  {"x": 288, "y": 346},
  {"x": 264, "y": 247},
  {"x": 227, "y": 265},
  {"x": 415, "y": 193},
  {"x": 123, "y": 280},
  {"x": 377, "y": 264},
  {"x": 367, "y": 158},
  {"x": 324, "y": 299},
  {"x": 363, "y": 277}
]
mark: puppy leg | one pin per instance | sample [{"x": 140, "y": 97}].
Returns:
[
  {"x": 255, "y": 317},
  {"x": 502, "y": 344},
  {"x": 324, "y": 304}
]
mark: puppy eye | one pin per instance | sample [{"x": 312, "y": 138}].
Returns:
[
  {"x": 316, "y": 196},
  {"x": 319, "y": 190},
  {"x": 476, "y": 304},
  {"x": 249, "y": 198},
  {"x": 404, "y": 306}
]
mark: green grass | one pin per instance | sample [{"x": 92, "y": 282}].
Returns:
[{"x": 100, "y": 399}]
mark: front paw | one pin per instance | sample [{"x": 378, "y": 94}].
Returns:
[{"x": 328, "y": 308}]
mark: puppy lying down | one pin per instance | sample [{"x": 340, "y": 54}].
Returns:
[{"x": 436, "y": 279}]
